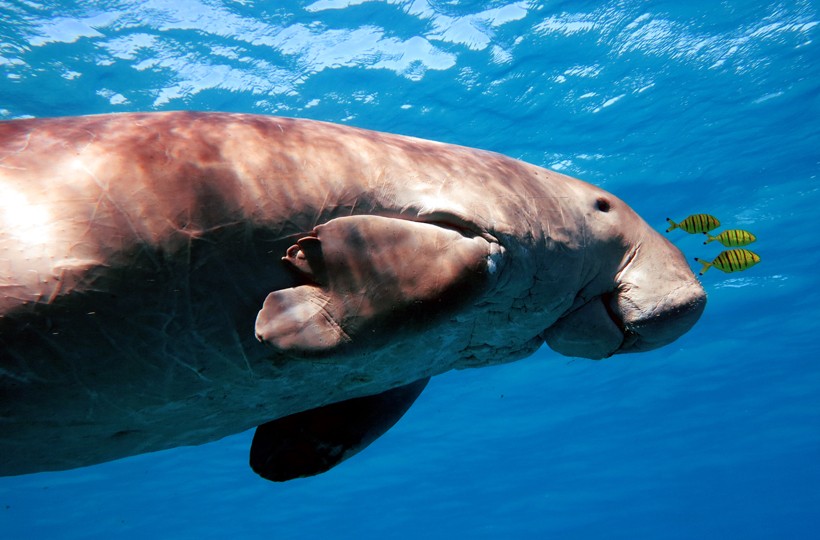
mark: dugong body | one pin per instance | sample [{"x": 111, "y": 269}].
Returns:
[{"x": 168, "y": 279}]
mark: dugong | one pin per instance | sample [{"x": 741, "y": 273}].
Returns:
[{"x": 172, "y": 278}]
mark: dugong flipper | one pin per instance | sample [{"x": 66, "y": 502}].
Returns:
[
  {"x": 314, "y": 441},
  {"x": 363, "y": 273}
]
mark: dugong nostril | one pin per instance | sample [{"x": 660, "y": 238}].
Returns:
[{"x": 602, "y": 204}]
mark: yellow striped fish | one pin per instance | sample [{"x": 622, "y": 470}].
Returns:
[
  {"x": 696, "y": 223},
  {"x": 732, "y": 238},
  {"x": 732, "y": 260}
]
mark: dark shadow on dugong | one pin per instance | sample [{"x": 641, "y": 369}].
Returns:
[{"x": 314, "y": 441}]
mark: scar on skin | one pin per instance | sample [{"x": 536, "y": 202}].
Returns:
[{"x": 15, "y": 152}]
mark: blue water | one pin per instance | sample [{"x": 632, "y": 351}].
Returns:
[{"x": 676, "y": 107}]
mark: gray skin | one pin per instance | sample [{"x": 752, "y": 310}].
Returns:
[{"x": 169, "y": 279}]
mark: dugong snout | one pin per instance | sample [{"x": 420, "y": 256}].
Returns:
[
  {"x": 658, "y": 298},
  {"x": 661, "y": 324},
  {"x": 621, "y": 322},
  {"x": 655, "y": 300}
]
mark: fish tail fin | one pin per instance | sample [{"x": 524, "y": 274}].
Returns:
[
  {"x": 709, "y": 238},
  {"x": 672, "y": 224},
  {"x": 706, "y": 266}
]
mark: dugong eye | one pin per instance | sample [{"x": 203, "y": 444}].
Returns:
[{"x": 602, "y": 204}]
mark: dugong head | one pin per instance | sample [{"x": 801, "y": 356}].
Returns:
[{"x": 643, "y": 294}]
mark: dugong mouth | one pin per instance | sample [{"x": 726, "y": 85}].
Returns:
[
  {"x": 613, "y": 323},
  {"x": 594, "y": 329}
]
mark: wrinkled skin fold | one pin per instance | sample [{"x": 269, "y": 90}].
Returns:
[{"x": 169, "y": 279}]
